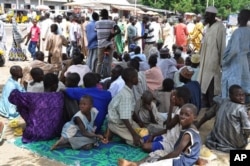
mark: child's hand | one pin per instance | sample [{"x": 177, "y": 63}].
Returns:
[
  {"x": 102, "y": 139},
  {"x": 172, "y": 98}
]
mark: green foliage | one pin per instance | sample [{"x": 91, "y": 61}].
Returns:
[{"x": 225, "y": 7}]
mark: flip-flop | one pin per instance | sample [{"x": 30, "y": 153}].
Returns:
[
  {"x": 14, "y": 123},
  {"x": 18, "y": 131},
  {"x": 2, "y": 133}
]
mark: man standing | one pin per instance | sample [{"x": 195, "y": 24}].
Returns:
[
  {"x": 132, "y": 32},
  {"x": 196, "y": 34},
  {"x": 34, "y": 37},
  {"x": 92, "y": 41},
  {"x": 106, "y": 30},
  {"x": 181, "y": 33},
  {"x": 211, "y": 52},
  {"x": 45, "y": 31},
  {"x": 148, "y": 36}
]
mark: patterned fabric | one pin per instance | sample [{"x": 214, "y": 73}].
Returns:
[
  {"x": 7, "y": 109},
  {"x": 230, "y": 122},
  {"x": 42, "y": 113},
  {"x": 16, "y": 52},
  {"x": 122, "y": 106},
  {"x": 104, "y": 155}
]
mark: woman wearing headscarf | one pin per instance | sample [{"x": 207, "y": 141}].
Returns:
[{"x": 16, "y": 52}]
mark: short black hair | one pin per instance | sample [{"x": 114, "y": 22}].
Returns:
[
  {"x": 104, "y": 13},
  {"x": 234, "y": 87},
  {"x": 54, "y": 28},
  {"x": 135, "y": 63},
  {"x": 128, "y": 74},
  {"x": 192, "y": 107},
  {"x": 77, "y": 59},
  {"x": 167, "y": 84},
  {"x": 184, "y": 93},
  {"x": 152, "y": 61},
  {"x": 90, "y": 80},
  {"x": 36, "y": 72},
  {"x": 39, "y": 55},
  {"x": 88, "y": 97},
  {"x": 50, "y": 80},
  {"x": 73, "y": 79},
  {"x": 95, "y": 16}
]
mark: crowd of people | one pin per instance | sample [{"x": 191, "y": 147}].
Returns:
[{"x": 150, "y": 94}]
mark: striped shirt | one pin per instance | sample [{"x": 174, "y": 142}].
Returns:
[
  {"x": 149, "y": 30},
  {"x": 104, "y": 28}
]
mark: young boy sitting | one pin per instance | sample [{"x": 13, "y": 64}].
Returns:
[
  {"x": 36, "y": 85},
  {"x": 147, "y": 113},
  {"x": 232, "y": 124},
  {"x": 187, "y": 147},
  {"x": 162, "y": 143},
  {"x": 121, "y": 110}
]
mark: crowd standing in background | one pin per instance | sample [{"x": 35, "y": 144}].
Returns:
[{"x": 140, "y": 73}]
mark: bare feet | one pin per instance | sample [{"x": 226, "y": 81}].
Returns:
[
  {"x": 108, "y": 135},
  {"x": 123, "y": 162},
  {"x": 201, "y": 162},
  {"x": 61, "y": 141}
]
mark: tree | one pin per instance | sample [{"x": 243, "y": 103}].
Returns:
[{"x": 225, "y": 7}]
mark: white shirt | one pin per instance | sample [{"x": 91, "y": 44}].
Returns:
[
  {"x": 45, "y": 28},
  {"x": 74, "y": 27},
  {"x": 116, "y": 86},
  {"x": 79, "y": 69}
]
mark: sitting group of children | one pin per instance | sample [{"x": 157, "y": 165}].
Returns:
[{"x": 159, "y": 120}]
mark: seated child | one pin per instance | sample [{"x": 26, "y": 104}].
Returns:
[
  {"x": 7, "y": 109},
  {"x": 79, "y": 133},
  {"x": 162, "y": 143},
  {"x": 36, "y": 85},
  {"x": 187, "y": 147},
  {"x": 163, "y": 95},
  {"x": 147, "y": 113},
  {"x": 232, "y": 124},
  {"x": 121, "y": 110}
]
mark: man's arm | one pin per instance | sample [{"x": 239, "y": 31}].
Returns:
[{"x": 136, "y": 137}]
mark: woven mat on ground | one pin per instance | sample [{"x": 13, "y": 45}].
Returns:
[{"x": 103, "y": 155}]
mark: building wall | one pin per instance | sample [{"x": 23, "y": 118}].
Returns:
[{"x": 29, "y": 4}]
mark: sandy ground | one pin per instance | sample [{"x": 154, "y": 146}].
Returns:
[{"x": 13, "y": 155}]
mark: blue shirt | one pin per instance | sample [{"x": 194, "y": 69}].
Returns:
[
  {"x": 7, "y": 109},
  {"x": 91, "y": 35},
  {"x": 101, "y": 99}
]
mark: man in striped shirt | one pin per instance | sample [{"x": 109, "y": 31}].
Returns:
[{"x": 106, "y": 30}]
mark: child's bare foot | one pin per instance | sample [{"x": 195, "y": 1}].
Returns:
[
  {"x": 123, "y": 162},
  {"x": 108, "y": 134},
  {"x": 2, "y": 131},
  {"x": 201, "y": 162},
  {"x": 58, "y": 143},
  {"x": 88, "y": 146}
]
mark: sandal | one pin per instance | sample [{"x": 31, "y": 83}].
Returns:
[
  {"x": 18, "y": 131},
  {"x": 14, "y": 123}
]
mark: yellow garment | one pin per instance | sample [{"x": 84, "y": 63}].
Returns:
[
  {"x": 196, "y": 36},
  {"x": 141, "y": 131}
]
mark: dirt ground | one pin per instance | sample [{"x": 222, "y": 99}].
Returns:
[{"x": 12, "y": 155}]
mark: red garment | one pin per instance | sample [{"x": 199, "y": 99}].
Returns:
[{"x": 181, "y": 33}]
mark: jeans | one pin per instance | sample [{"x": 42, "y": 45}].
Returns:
[
  {"x": 100, "y": 58},
  {"x": 32, "y": 48}
]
